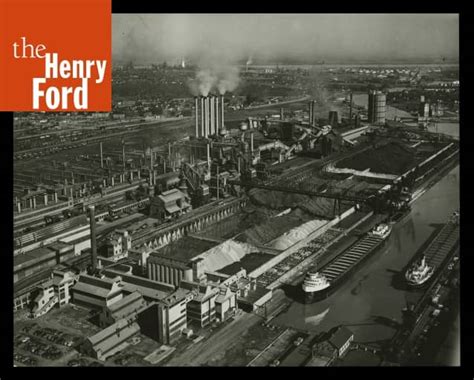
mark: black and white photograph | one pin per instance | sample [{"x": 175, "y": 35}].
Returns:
[{"x": 268, "y": 190}]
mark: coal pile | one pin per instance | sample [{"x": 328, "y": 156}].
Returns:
[{"x": 393, "y": 158}]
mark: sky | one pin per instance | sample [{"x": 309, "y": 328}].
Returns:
[{"x": 273, "y": 38}]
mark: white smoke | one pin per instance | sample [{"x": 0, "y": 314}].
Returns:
[{"x": 215, "y": 77}]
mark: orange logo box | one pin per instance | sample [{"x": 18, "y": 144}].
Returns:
[{"x": 55, "y": 55}]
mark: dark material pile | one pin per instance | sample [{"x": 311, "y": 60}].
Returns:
[{"x": 392, "y": 158}]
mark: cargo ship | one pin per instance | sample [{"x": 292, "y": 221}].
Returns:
[
  {"x": 437, "y": 253},
  {"x": 320, "y": 284}
]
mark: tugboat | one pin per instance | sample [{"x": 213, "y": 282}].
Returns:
[
  {"x": 419, "y": 272},
  {"x": 314, "y": 283},
  {"x": 382, "y": 231}
]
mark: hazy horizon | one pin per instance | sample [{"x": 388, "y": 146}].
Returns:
[{"x": 285, "y": 38}]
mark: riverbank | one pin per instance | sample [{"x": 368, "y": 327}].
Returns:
[{"x": 378, "y": 299}]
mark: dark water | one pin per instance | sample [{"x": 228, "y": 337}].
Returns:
[{"x": 370, "y": 303}]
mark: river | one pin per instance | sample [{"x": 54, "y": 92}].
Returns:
[{"x": 370, "y": 299}]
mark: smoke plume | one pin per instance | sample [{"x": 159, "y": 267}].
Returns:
[{"x": 215, "y": 77}]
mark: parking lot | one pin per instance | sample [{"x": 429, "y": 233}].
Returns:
[
  {"x": 51, "y": 340},
  {"x": 42, "y": 346}
]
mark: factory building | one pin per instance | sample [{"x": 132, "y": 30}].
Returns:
[
  {"x": 341, "y": 340},
  {"x": 96, "y": 293},
  {"x": 150, "y": 290},
  {"x": 139, "y": 257},
  {"x": 164, "y": 321},
  {"x": 168, "y": 269},
  {"x": 66, "y": 230},
  {"x": 250, "y": 296},
  {"x": 128, "y": 306},
  {"x": 118, "y": 244},
  {"x": 29, "y": 263},
  {"x": 376, "y": 107},
  {"x": 55, "y": 291},
  {"x": 336, "y": 346},
  {"x": 202, "y": 308},
  {"x": 226, "y": 303},
  {"x": 110, "y": 340},
  {"x": 170, "y": 205},
  {"x": 166, "y": 181}
]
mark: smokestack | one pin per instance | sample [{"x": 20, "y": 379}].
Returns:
[
  {"x": 208, "y": 157},
  {"x": 216, "y": 109},
  {"x": 310, "y": 117},
  {"x": 93, "y": 239},
  {"x": 196, "y": 106},
  {"x": 222, "y": 111},
  {"x": 101, "y": 156},
  {"x": 206, "y": 116},
  {"x": 251, "y": 141},
  {"x": 202, "y": 117},
  {"x": 212, "y": 115},
  {"x": 281, "y": 113},
  {"x": 151, "y": 167}
]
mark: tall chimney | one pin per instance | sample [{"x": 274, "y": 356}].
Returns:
[
  {"x": 310, "y": 117},
  {"x": 222, "y": 111},
  {"x": 208, "y": 157},
  {"x": 202, "y": 117},
  {"x": 281, "y": 113},
  {"x": 251, "y": 141},
  {"x": 151, "y": 166},
  {"x": 216, "y": 109},
  {"x": 313, "y": 120},
  {"x": 212, "y": 115},
  {"x": 206, "y": 116},
  {"x": 101, "y": 156},
  {"x": 196, "y": 107},
  {"x": 93, "y": 239}
]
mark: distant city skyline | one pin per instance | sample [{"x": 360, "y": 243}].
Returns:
[{"x": 285, "y": 38}]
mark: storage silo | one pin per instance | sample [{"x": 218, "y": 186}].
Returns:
[{"x": 376, "y": 107}]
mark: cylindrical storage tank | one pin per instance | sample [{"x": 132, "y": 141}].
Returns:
[
  {"x": 380, "y": 105},
  {"x": 376, "y": 107}
]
